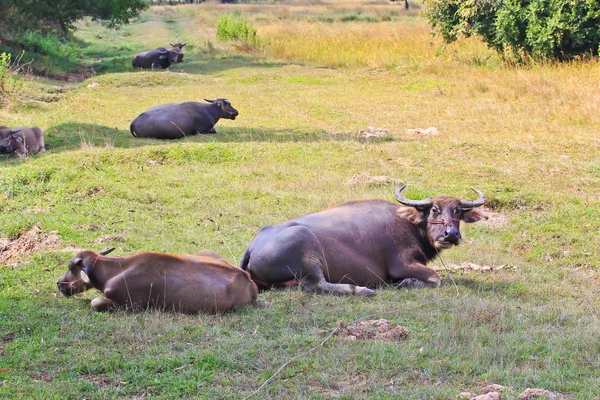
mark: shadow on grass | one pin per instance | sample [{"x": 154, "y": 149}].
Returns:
[{"x": 71, "y": 136}]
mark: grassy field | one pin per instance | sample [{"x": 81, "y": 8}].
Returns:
[{"x": 526, "y": 136}]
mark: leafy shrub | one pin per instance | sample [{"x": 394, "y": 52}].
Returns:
[
  {"x": 10, "y": 86},
  {"x": 522, "y": 29},
  {"x": 234, "y": 27},
  {"x": 50, "y": 44}
]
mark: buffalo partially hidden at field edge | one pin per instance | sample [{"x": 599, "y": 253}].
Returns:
[
  {"x": 177, "y": 120},
  {"x": 158, "y": 58},
  {"x": 181, "y": 283},
  {"x": 21, "y": 141},
  {"x": 360, "y": 244}
]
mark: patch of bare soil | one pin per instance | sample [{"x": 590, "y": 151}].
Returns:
[
  {"x": 42, "y": 377},
  {"x": 494, "y": 219},
  {"x": 494, "y": 392},
  {"x": 32, "y": 241},
  {"x": 540, "y": 394},
  {"x": 361, "y": 178},
  {"x": 431, "y": 131},
  {"x": 109, "y": 238},
  {"x": 374, "y": 329},
  {"x": 467, "y": 267},
  {"x": 100, "y": 380},
  {"x": 373, "y": 132}
]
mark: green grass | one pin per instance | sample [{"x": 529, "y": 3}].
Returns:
[{"x": 527, "y": 137}]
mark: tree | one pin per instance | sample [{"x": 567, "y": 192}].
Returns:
[
  {"x": 522, "y": 29},
  {"x": 46, "y": 15}
]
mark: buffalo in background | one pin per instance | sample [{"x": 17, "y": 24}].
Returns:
[
  {"x": 158, "y": 58},
  {"x": 177, "y": 120},
  {"x": 178, "y": 47},
  {"x": 21, "y": 141}
]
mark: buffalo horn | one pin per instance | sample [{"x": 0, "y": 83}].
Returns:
[
  {"x": 77, "y": 261},
  {"x": 183, "y": 44},
  {"x": 105, "y": 252},
  {"x": 15, "y": 130},
  {"x": 163, "y": 51},
  {"x": 171, "y": 44},
  {"x": 412, "y": 203},
  {"x": 476, "y": 203},
  {"x": 210, "y": 101}
]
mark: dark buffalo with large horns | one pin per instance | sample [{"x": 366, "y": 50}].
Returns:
[
  {"x": 158, "y": 58},
  {"x": 360, "y": 244},
  {"x": 177, "y": 120},
  {"x": 21, "y": 141}
]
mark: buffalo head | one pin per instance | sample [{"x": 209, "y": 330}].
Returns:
[
  {"x": 168, "y": 57},
  {"x": 76, "y": 280},
  {"x": 227, "y": 110},
  {"x": 442, "y": 216},
  {"x": 14, "y": 143}
]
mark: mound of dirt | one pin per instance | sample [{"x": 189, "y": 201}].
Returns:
[
  {"x": 374, "y": 329},
  {"x": 32, "y": 241}
]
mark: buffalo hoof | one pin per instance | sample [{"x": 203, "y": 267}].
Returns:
[
  {"x": 412, "y": 283},
  {"x": 363, "y": 291}
]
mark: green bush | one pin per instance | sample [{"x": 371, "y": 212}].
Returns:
[
  {"x": 50, "y": 44},
  {"x": 10, "y": 86},
  {"x": 237, "y": 28},
  {"x": 522, "y": 30}
]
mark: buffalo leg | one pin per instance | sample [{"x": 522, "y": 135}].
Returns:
[
  {"x": 103, "y": 304},
  {"x": 423, "y": 274},
  {"x": 296, "y": 253}
]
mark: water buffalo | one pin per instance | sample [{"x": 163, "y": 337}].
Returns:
[
  {"x": 360, "y": 244},
  {"x": 178, "y": 47},
  {"x": 158, "y": 58},
  {"x": 21, "y": 141},
  {"x": 181, "y": 283},
  {"x": 177, "y": 120}
]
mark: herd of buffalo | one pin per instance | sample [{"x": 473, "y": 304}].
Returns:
[{"x": 348, "y": 249}]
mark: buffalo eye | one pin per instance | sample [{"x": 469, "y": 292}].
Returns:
[
  {"x": 435, "y": 212},
  {"x": 458, "y": 211}
]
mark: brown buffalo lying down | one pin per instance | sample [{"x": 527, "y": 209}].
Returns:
[{"x": 182, "y": 283}]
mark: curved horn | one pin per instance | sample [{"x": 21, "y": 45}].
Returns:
[
  {"x": 171, "y": 44},
  {"x": 476, "y": 203},
  {"x": 15, "y": 130},
  {"x": 412, "y": 203},
  {"x": 162, "y": 51},
  {"x": 210, "y": 101},
  {"x": 183, "y": 44},
  {"x": 77, "y": 261},
  {"x": 105, "y": 252}
]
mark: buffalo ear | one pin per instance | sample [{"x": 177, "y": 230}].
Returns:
[
  {"x": 84, "y": 277},
  {"x": 473, "y": 215},
  {"x": 414, "y": 215},
  {"x": 107, "y": 251}
]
